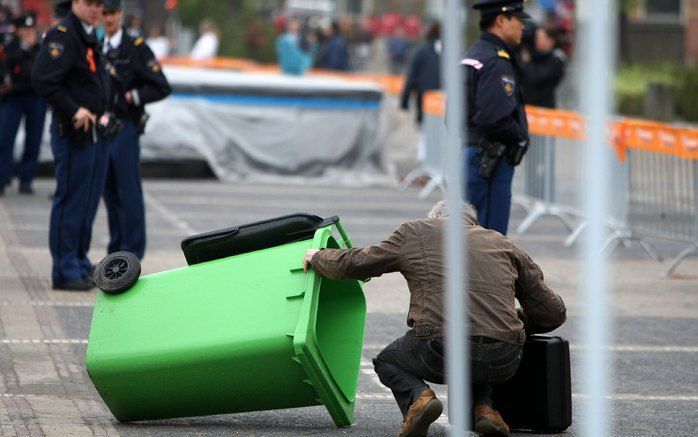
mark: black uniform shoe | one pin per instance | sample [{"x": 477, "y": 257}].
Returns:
[
  {"x": 26, "y": 189},
  {"x": 82, "y": 284}
]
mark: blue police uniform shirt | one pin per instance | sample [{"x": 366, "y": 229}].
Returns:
[{"x": 495, "y": 104}]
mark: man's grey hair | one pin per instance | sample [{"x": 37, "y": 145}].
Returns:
[{"x": 440, "y": 210}]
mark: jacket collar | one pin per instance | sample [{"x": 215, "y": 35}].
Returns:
[
  {"x": 74, "y": 21},
  {"x": 494, "y": 39}
]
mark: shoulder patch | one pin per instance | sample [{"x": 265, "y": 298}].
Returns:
[
  {"x": 503, "y": 54},
  {"x": 472, "y": 63},
  {"x": 509, "y": 85},
  {"x": 138, "y": 41},
  {"x": 55, "y": 50},
  {"x": 154, "y": 66}
]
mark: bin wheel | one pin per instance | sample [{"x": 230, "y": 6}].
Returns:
[{"x": 117, "y": 272}]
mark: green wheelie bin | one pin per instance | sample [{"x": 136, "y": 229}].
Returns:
[{"x": 241, "y": 328}]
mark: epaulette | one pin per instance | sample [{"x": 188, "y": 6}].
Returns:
[
  {"x": 138, "y": 41},
  {"x": 62, "y": 29},
  {"x": 503, "y": 54}
]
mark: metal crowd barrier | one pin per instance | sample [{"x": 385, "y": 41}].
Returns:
[
  {"x": 434, "y": 134},
  {"x": 654, "y": 183}
]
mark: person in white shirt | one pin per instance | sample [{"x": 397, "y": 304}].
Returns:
[
  {"x": 158, "y": 42},
  {"x": 206, "y": 46}
]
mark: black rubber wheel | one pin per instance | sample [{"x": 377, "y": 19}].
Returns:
[{"x": 117, "y": 272}]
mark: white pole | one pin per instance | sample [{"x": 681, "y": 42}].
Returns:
[
  {"x": 597, "y": 18},
  {"x": 457, "y": 363}
]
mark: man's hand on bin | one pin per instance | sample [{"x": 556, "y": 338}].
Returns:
[{"x": 308, "y": 258}]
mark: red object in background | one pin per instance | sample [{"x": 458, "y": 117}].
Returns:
[
  {"x": 413, "y": 26},
  {"x": 171, "y": 5},
  {"x": 42, "y": 8},
  {"x": 389, "y": 22},
  {"x": 280, "y": 24},
  {"x": 374, "y": 25}
]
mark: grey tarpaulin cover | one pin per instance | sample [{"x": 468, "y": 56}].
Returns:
[{"x": 264, "y": 127}]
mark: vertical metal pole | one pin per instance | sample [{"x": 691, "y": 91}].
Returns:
[
  {"x": 597, "y": 17},
  {"x": 457, "y": 363}
]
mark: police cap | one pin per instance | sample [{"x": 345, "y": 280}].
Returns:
[
  {"x": 112, "y": 5},
  {"x": 25, "y": 20},
  {"x": 496, "y": 7},
  {"x": 62, "y": 8}
]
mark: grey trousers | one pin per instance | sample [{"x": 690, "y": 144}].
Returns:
[{"x": 405, "y": 364}]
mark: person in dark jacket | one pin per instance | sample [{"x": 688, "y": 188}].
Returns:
[
  {"x": 425, "y": 71},
  {"x": 69, "y": 73},
  {"x": 20, "y": 101},
  {"x": 138, "y": 80},
  {"x": 334, "y": 54},
  {"x": 543, "y": 69},
  {"x": 497, "y": 136},
  {"x": 424, "y": 75},
  {"x": 500, "y": 272}
]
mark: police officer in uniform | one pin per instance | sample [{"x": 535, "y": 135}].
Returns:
[
  {"x": 497, "y": 136},
  {"x": 69, "y": 73},
  {"x": 21, "y": 101},
  {"x": 137, "y": 80}
]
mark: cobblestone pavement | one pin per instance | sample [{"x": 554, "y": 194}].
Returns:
[{"x": 45, "y": 391}]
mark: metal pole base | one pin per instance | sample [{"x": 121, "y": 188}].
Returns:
[
  {"x": 541, "y": 210},
  {"x": 626, "y": 237},
  {"x": 693, "y": 250},
  {"x": 436, "y": 180},
  {"x": 572, "y": 239}
]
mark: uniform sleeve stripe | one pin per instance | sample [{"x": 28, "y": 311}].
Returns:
[{"x": 472, "y": 63}]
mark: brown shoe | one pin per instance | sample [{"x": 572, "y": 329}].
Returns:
[
  {"x": 422, "y": 413},
  {"x": 488, "y": 422}
]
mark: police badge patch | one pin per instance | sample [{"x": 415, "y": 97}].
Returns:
[
  {"x": 509, "y": 85},
  {"x": 154, "y": 66},
  {"x": 55, "y": 50}
]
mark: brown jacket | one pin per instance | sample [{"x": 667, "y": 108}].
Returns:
[{"x": 499, "y": 272}]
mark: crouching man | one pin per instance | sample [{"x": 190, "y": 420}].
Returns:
[{"x": 499, "y": 272}]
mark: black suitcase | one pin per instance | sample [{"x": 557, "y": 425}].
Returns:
[
  {"x": 251, "y": 237},
  {"x": 539, "y": 396}
]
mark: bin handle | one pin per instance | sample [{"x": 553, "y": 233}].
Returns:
[{"x": 346, "y": 241}]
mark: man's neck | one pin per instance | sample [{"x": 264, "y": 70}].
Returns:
[{"x": 498, "y": 34}]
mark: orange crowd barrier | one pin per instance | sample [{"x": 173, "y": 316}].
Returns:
[{"x": 626, "y": 134}]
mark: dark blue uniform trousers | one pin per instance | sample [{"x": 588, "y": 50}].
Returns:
[
  {"x": 33, "y": 109},
  {"x": 490, "y": 197},
  {"x": 123, "y": 193},
  {"x": 80, "y": 176}
]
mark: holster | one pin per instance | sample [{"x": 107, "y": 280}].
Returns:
[
  {"x": 492, "y": 155},
  {"x": 516, "y": 154},
  {"x": 112, "y": 128},
  {"x": 76, "y": 137},
  {"x": 142, "y": 123}
]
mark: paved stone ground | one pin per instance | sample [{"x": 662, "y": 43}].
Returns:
[{"x": 45, "y": 391}]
